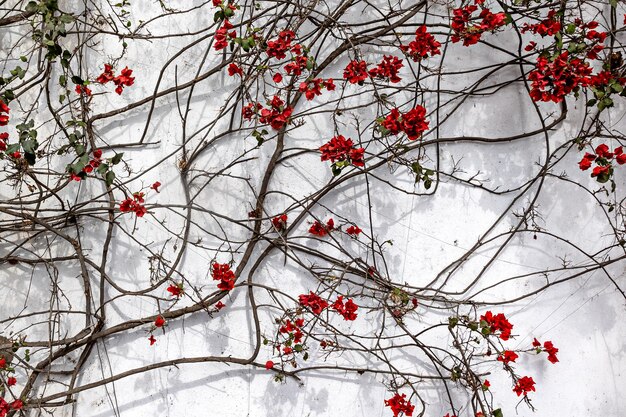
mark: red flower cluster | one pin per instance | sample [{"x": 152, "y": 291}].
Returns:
[
  {"x": 277, "y": 48},
  {"x": 134, "y": 205},
  {"x": 122, "y": 80},
  {"x": 347, "y": 309},
  {"x": 93, "y": 164},
  {"x": 524, "y": 385},
  {"x": 318, "y": 229},
  {"x": 4, "y": 118},
  {"x": 496, "y": 323},
  {"x": 314, "y": 87},
  {"x": 5, "y": 407},
  {"x": 549, "y": 348},
  {"x": 553, "y": 80},
  {"x": 277, "y": 116},
  {"x": 82, "y": 89},
  {"x": 471, "y": 34},
  {"x": 507, "y": 356},
  {"x": 313, "y": 301},
  {"x": 353, "y": 230},
  {"x": 388, "y": 69},
  {"x": 547, "y": 27},
  {"x": 424, "y": 45},
  {"x": 603, "y": 79},
  {"x": 234, "y": 69},
  {"x": 602, "y": 157},
  {"x": 222, "y": 35},
  {"x": 152, "y": 339},
  {"x": 355, "y": 72},
  {"x": 413, "y": 122},
  {"x": 399, "y": 404},
  {"x": 280, "y": 222},
  {"x": 223, "y": 274},
  {"x": 297, "y": 65},
  {"x": 341, "y": 149},
  {"x": 292, "y": 330}
]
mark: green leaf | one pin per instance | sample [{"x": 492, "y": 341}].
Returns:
[
  {"x": 30, "y": 145},
  {"x": 117, "y": 158},
  {"x": 102, "y": 168},
  {"x": 497, "y": 413},
  {"x": 109, "y": 178}
]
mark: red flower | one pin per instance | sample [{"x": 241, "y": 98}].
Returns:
[
  {"x": 107, "y": 75},
  {"x": 585, "y": 163},
  {"x": 620, "y": 156},
  {"x": 234, "y": 69},
  {"x": 347, "y": 310},
  {"x": 388, "y": 69},
  {"x": 280, "y": 222},
  {"x": 124, "y": 79},
  {"x": 601, "y": 170},
  {"x": 524, "y": 385},
  {"x": 507, "y": 356},
  {"x": 355, "y": 72},
  {"x": 278, "y": 48},
  {"x": 553, "y": 80},
  {"x": 159, "y": 321},
  {"x": 423, "y": 46},
  {"x": 134, "y": 205},
  {"x": 4, "y": 136},
  {"x": 602, "y": 151},
  {"x": 156, "y": 186},
  {"x": 175, "y": 290},
  {"x": 414, "y": 122},
  {"x": 269, "y": 365},
  {"x": 536, "y": 343},
  {"x": 550, "y": 26},
  {"x": 152, "y": 339},
  {"x": 486, "y": 385},
  {"x": 222, "y": 34},
  {"x": 341, "y": 149},
  {"x": 223, "y": 273},
  {"x": 392, "y": 122},
  {"x": 551, "y": 350},
  {"x": 277, "y": 78},
  {"x": 277, "y": 116},
  {"x": 81, "y": 89},
  {"x": 11, "y": 381},
  {"x": 399, "y": 404},
  {"x": 314, "y": 87},
  {"x": 353, "y": 230},
  {"x": 497, "y": 323},
  {"x": 17, "y": 405},
  {"x": 321, "y": 230},
  {"x": 314, "y": 302},
  {"x": 297, "y": 65},
  {"x": 3, "y": 107},
  {"x": 531, "y": 45},
  {"x": 220, "y": 305}
]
